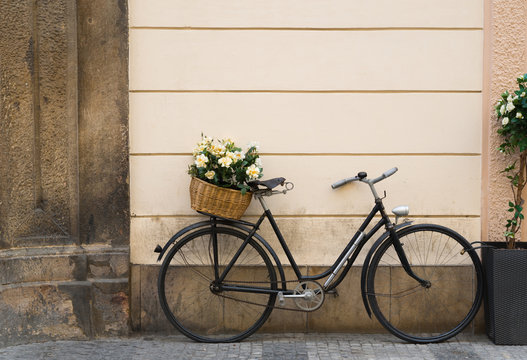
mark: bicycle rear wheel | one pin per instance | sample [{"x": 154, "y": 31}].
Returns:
[
  {"x": 197, "y": 306},
  {"x": 416, "y": 313}
]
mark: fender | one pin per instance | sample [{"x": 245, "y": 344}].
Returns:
[
  {"x": 235, "y": 224},
  {"x": 366, "y": 264}
]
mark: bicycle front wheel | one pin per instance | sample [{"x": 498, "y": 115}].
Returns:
[
  {"x": 425, "y": 314},
  {"x": 196, "y": 305}
]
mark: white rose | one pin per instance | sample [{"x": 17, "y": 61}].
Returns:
[
  {"x": 253, "y": 171},
  {"x": 505, "y": 121},
  {"x": 201, "y": 160},
  {"x": 210, "y": 174},
  {"x": 217, "y": 149},
  {"x": 502, "y": 109},
  {"x": 519, "y": 115},
  {"x": 225, "y": 161},
  {"x": 510, "y": 106},
  {"x": 238, "y": 155},
  {"x": 199, "y": 149}
]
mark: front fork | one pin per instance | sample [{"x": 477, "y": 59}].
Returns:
[{"x": 402, "y": 256}]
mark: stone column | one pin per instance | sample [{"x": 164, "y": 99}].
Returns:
[{"x": 63, "y": 169}]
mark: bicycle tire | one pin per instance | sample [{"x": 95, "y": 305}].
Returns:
[
  {"x": 415, "y": 313},
  {"x": 206, "y": 315}
]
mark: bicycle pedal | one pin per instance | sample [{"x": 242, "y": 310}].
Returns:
[{"x": 281, "y": 299}]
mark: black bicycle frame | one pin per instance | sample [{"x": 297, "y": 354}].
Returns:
[{"x": 349, "y": 254}]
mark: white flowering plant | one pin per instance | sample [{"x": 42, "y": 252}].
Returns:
[
  {"x": 222, "y": 163},
  {"x": 512, "y": 114}
]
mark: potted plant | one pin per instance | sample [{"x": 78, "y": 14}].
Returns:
[
  {"x": 220, "y": 173},
  {"x": 505, "y": 262}
]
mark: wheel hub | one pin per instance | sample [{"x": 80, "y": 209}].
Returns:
[{"x": 214, "y": 288}]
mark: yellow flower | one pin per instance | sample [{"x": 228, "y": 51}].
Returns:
[
  {"x": 210, "y": 174},
  {"x": 225, "y": 161},
  {"x": 238, "y": 155},
  {"x": 199, "y": 149},
  {"x": 201, "y": 160},
  {"x": 205, "y": 141},
  {"x": 253, "y": 172},
  {"x": 217, "y": 149}
]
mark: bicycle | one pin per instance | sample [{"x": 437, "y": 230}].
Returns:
[{"x": 219, "y": 284}]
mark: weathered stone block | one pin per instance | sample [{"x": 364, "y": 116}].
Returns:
[
  {"x": 42, "y": 268},
  {"x": 44, "y": 312},
  {"x": 111, "y": 307},
  {"x": 108, "y": 265}
]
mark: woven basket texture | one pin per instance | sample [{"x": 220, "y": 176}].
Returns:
[
  {"x": 218, "y": 201},
  {"x": 506, "y": 295}
]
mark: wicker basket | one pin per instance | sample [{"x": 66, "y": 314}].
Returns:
[{"x": 218, "y": 201}]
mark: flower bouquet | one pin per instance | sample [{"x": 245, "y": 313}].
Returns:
[{"x": 220, "y": 173}]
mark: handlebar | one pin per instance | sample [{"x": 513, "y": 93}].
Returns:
[{"x": 362, "y": 177}]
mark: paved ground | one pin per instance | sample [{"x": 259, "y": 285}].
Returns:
[{"x": 267, "y": 346}]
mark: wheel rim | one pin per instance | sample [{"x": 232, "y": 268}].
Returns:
[
  {"x": 197, "y": 306},
  {"x": 434, "y": 312}
]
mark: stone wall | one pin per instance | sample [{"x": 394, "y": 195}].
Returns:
[{"x": 64, "y": 220}]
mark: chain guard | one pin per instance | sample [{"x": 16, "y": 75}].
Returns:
[{"x": 299, "y": 309}]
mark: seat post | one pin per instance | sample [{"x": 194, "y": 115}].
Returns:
[{"x": 262, "y": 202}]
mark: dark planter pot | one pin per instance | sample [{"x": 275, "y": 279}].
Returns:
[{"x": 506, "y": 293}]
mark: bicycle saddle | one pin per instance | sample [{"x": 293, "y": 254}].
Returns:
[{"x": 269, "y": 184}]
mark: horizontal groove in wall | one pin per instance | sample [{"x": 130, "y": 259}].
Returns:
[
  {"x": 324, "y": 154},
  {"x": 309, "y": 216},
  {"x": 407, "y": 28},
  {"x": 313, "y": 91}
]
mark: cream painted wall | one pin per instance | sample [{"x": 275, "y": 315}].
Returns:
[{"x": 328, "y": 89}]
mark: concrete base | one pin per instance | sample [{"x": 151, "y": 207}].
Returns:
[{"x": 342, "y": 313}]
